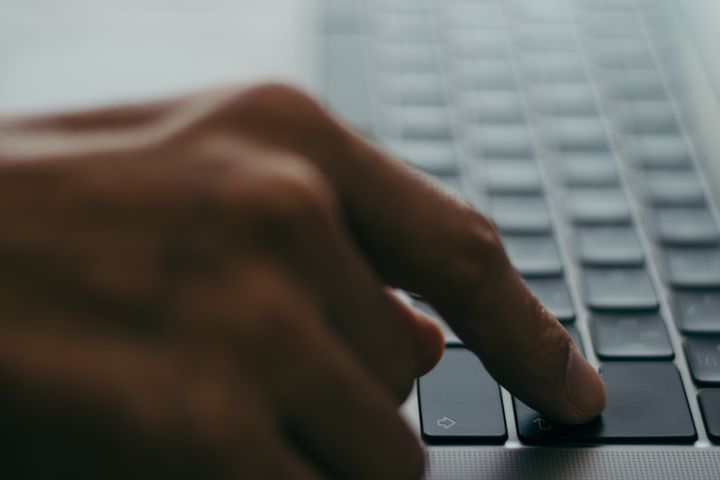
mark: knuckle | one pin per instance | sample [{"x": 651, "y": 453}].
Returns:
[
  {"x": 480, "y": 254},
  {"x": 285, "y": 107},
  {"x": 277, "y": 93},
  {"x": 292, "y": 199}
]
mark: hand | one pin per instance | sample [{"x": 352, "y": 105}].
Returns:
[{"x": 198, "y": 287}]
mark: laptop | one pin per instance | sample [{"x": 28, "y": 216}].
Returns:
[{"x": 586, "y": 129}]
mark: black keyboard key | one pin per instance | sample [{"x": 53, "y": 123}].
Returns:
[
  {"x": 424, "y": 123},
  {"x": 608, "y": 246},
  {"x": 520, "y": 177},
  {"x": 627, "y": 84},
  {"x": 620, "y": 53},
  {"x": 475, "y": 18},
  {"x": 556, "y": 99},
  {"x": 646, "y": 404},
  {"x": 450, "y": 336},
  {"x": 697, "y": 312},
  {"x": 575, "y": 134},
  {"x": 657, "y": 151},
  {"x": 647, "y": 117},
  {"x": 588, "y": 169},
  {"x": 709, "y": 401},
  {"x": 403, "y": 27},
  {"x": 692, "y": 268},
  {"x": 476, "y": 44},
  {"x": 630, "y": 337},
  {"x": 520, "y": 214},
  {"x": 595, "y": 206},
  {"x": 618, "y": 289},
  {"x": 538, "y": 38},
  {"x": 703, "y": 356},
  {"x": 405, "y": 58},
  {"x": 414, "y": 89},
  {"x": 534, "y": 255},
  {"x": 460, "y": 402},
  {"x": 554, "y": 295},
  {"x": 484, "y": 74},
  {"x": 685, "y": 226},
  {"x": 550, "y": 68},
  {"x": 501, "y": 142},
  {"x": 497, "y": 107},
  {"x": 673, "y": 188}
]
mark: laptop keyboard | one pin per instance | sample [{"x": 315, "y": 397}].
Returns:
[{"x": 555, "y": 118}]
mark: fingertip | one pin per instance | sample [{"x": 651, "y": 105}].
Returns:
[
  {"x": 584, "y": 387},
  {"x": 430, "y": 345}
]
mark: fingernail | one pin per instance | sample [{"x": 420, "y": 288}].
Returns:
[{"x": 585, "y": 388}]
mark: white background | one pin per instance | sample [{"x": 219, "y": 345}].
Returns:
[{"x": 58, "y": 54}]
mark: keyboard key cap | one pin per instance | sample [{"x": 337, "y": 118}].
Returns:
[
  {"x": 703, "y": 355},
  {"x": 554, "y": 295},
  {"x": 618, "y": 289},
  {"x": 473, "y": 17},
  {"x": 424, "y": 123},
  {"x": 520, "y": 214},
  {"x": 709, "y": 401},
  {"x": 646, "y": 117},
  {"x": 497, "y": 107},
  {"x": 697, "y": 312},
  {"x": 405, "y": 58},
  {"x": 520, "y": 177},
  {"x": 413, "y": 89},
  {"x": 534, "y": 255},
  {"x": 657, "y": 151},
  {"x": 588, "y": 169},
  {"x": 435, "y": 157},
  {"x": 595, "y": 206},
  {"x": 450, "y": 336},
  {"x": 403, "y": 27},
  {"x": 565, "y": 68},
  {"x": 483, "y": 75},
  {"x": 460, "y": 402},
  {"x": 575, "y": 134},
  {"x": 685, "y": 226},
  {"x": 646, "y": 404},
  {"x": 621, "y": 53},
  {"x": 630, "y": 337},
  {"x": 634, "y": 84},
  {"x": 543, "y": 39},
  {"x": 575, "y": 99},
  {"x": 608, "y": 246},
  {"x": 477, "y": 44},
  {"x": 500, "y": 142},
  {"x": 692, "y": 268},
  {"x": 674, "y": 188}
]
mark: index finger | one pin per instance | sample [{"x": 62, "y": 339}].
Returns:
[{"x": 422, "y": 239}]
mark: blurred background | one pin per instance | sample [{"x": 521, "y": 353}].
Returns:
[{"x": 57, "y": 54}]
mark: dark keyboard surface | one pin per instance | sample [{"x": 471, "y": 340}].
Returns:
[{"x": 556, "y": 118}]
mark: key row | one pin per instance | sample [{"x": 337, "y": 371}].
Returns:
[
  {"x": 621, "y": 335},
  {"x": 461, "y": 403}
]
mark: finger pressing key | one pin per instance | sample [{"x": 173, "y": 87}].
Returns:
[{"x": 422, "y": 239}]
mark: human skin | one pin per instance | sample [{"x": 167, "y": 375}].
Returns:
[{"x": 201, "y": 287}]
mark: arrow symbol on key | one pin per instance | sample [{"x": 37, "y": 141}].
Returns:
[{"x": 446, "y": 422}]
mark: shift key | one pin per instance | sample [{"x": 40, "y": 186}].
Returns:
[{"x": 460, "y": 402}]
